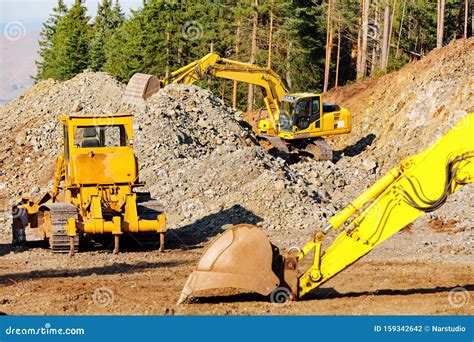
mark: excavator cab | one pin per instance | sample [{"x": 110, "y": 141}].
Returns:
[
  {"x": 294, "y": 124},
  {"x": 305, "y": 115},
  {"x": 297, "y": 114}
]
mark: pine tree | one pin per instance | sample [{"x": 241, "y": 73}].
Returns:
[
  {"x": 46, "y": 39},
  {"x": 70, "y": 44},
  {"x": 107, "y": 20},
  {"x": 305, "y": 58},
  {"x": 140, "y": 44}
]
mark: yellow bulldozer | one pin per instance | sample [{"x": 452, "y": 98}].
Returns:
[
  {"x": 95, "y": 179},
  {"x": 292, "y": 123},
  {"x": 243, "y": 257}
]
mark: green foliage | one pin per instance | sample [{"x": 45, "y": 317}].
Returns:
[
  {"x": 108, "y": 18},
  {"x": 67, "y": 54},
  {"x": 395, "y": 64},
  {"x": 419, "y": 27},
  {"x": 140, "y": 44},
  {"x": 71, "y": 43},
  {"x": 164, "y": 35},
  {"x": 46, "y": 40}
]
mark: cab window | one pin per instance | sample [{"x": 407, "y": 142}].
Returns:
[
  {"x": 315, "y": 111},
  {"x": 100, "y": 136},
  {"x": 66, "y": 142},
  {"x": 302, "y": 108}
]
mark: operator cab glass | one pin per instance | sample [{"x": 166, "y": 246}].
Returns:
[
  {"x": 100, "y": 136},
  {"x": 299, "y": 112},
  {"x": 285, "y": 118}
]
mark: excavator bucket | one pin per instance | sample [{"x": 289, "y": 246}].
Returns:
[
  {"x": 241, "y": 258},
  {"x": 140, "y": 87}
]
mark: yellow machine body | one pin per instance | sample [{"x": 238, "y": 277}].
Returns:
[
  {"x": 420, "y": 184},
  {"x": 96, "y": 174},
  {"x": 290, "y": 117}
]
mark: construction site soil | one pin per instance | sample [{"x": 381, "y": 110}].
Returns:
[{"x": 198, "y": 158}]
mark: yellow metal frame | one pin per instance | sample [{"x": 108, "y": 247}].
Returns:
[
  {"x": 332, "y": 123},
  {"x": 98, "y": 181},
  {"x": 419, "y": 184}
]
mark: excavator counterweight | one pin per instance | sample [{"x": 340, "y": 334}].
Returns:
[{"x": 420, "y": 184}]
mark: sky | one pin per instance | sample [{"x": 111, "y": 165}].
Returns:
[
  {"x": 32, "y": 13},
  {"x": 20, "y": 24}
]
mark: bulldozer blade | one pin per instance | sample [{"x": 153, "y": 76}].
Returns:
[
  {"x": 241, "y": 258},
  {"x": 140, "y": 87}
]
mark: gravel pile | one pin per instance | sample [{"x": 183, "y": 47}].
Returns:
[
  {"x": 182, "y": 121},
  {"x": 195, "y": 156},
  {"x": 406, "y": 111},
  {"x": 199, "y": 159}
]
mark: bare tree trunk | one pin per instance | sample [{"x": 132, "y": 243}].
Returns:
[
  {"x": 359, "y": 53},
  {"x": 375, "y": 46},
  {"x": 385, "y": 38},
  {"x": 253, "y": 54},
  {"x": 167, "y": 68},
  {"x": 401, "y": 28},
  {"x": 472, "y": 18},
  {"x": 466, "y": 14},
  {"x": 211, "y": 50},
  {"x": 237, "y": 48},
  {"x": 270, "y": 38},
  {"x": 359, "y": 41},
  {"x": 390, "y": 31},
  {"x": 288, "y": 65},
  {"x": 437, "y": 23},
  {"x": 440, "y": 20},
  {"x": 338, "y": 58},
  {"x": 365, "y": 24},
  {"x": 328, "y": 46}
]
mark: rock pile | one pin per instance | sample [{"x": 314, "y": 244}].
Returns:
[
  {"x": 182, "y": 121},
  {"x": 199, "y": 160},
  {"x": 408, "y": 110},
  {"x": 194, "y": 155}
]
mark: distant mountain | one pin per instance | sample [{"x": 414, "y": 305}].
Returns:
[{"x": 17, "y": 65}]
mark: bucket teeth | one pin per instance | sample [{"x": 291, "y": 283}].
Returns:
[{"x": 185, "y": 294}]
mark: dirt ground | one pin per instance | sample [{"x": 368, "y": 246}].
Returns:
[
  {"x": 35, "y": 281},
  {"x": 426, "y": 268}
]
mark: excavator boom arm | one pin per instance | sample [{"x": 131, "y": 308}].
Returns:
[
  {"x": 142, "y": 86},
  {"x": 419, "y": 184},
  {"x": 214, "y": 65}
]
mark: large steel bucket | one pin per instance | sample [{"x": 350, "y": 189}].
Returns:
[
  {"x": 241, "y": 258},
  {"x": 140, "y": 87}
]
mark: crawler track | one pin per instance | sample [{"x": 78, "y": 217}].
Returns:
[{"x": 60, "y": 213}]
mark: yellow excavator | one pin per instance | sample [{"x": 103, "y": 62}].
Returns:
[
  {"x": 243, "y": 258},
  {"x": 294, "y": 123},
  {"x": 94, "y": 189}
]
